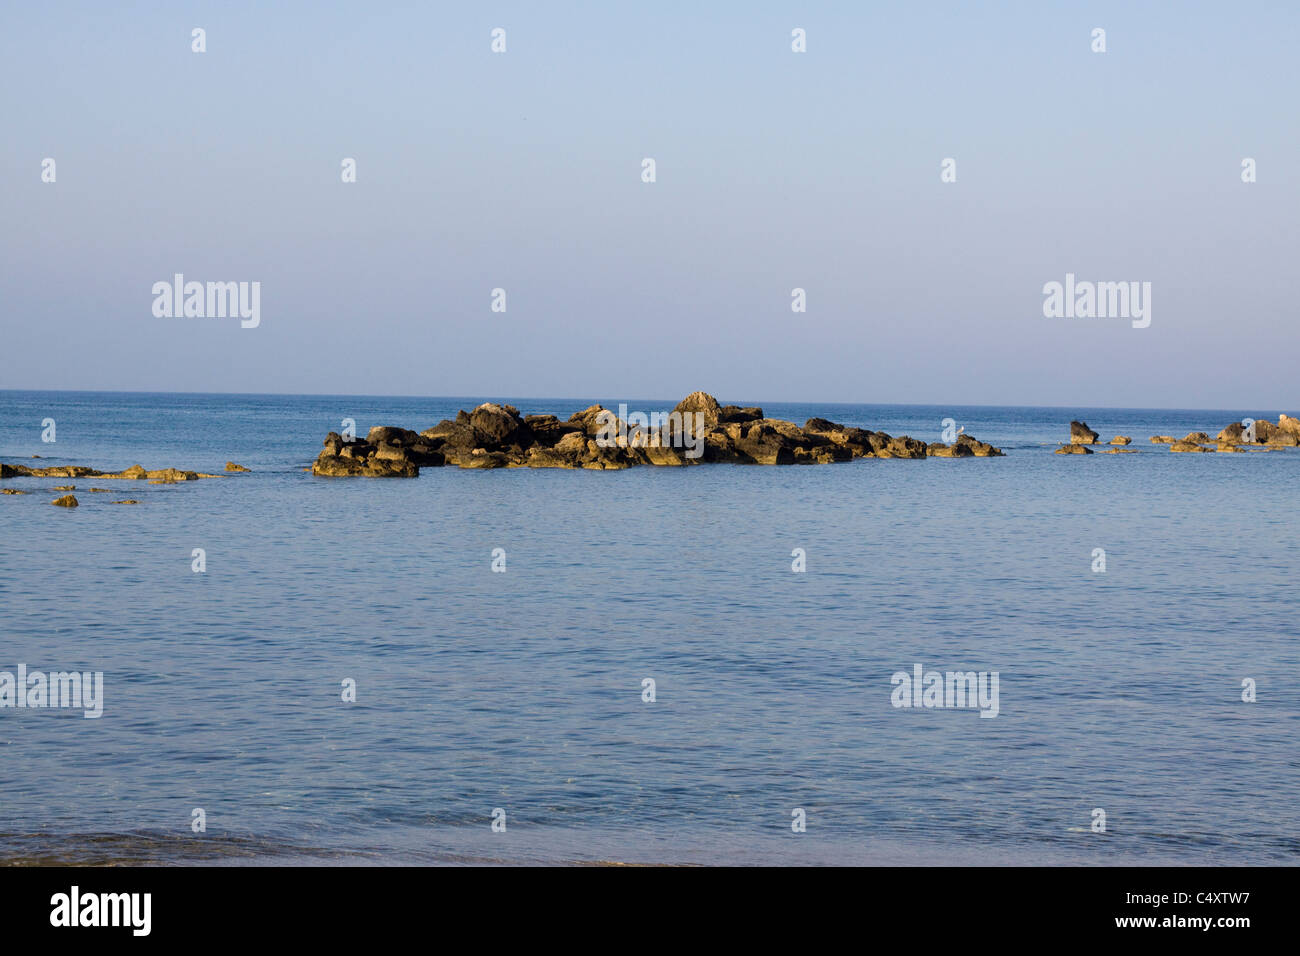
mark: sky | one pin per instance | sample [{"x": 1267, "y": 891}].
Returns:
[{"x": 774, "y": 170}]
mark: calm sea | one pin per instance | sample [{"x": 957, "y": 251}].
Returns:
[{"x": 1119, "y": 691}]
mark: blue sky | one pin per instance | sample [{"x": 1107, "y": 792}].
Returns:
[{"x": 775, "y": 170}]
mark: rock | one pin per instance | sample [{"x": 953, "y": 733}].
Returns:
[
  {"x": 590, "y": 420},
  {"x": 701, "y": 402},
  {"x": 171, "y": 474},
  {"x": 1120, "y": 451},
  {"x": 67, "y": 501},
  {"x": 231, "y": 466},
  {"x": 65, "y": 487},
  {"x": 940, "y": 450},
  {"x": 393, "y": 436},
  {"x": 1073, "y": 449},
  {"x": 11, "y": 491},
  {"x": 762, "y": 444},
  {"x": 734, "y": 413},
  {"x": 102, "y": 490},
  {"x": 548, "y": 430},
  {"x": 1186, "y": 446},
  {"x": 540, "y": 457},
  {"x": 13, "y": 471},
  {"x": 1226, "y": 446},
  {"x": 1234, "y": 433},
  {"x": 1196, "y": 438},
  {"x": 1289, "y": 425},
  {"x": 1121, "y": 440},
  {"x": 1081, "y": 434},
  {"x": 1162, "y": 439},
  {"x": 979, "y": 448},
  {"x": 126, "y": 501},
  {"x": 485, "y": 459},
  {"x": 902, "y": 447},
  {"x": 1265, "y": 431},
  {"x": 497, "y": 426}
]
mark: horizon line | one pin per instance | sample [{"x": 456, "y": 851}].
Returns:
[{"x": 542, "y": 398}]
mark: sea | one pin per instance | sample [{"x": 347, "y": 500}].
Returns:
[{"x": 330, "y": 670}]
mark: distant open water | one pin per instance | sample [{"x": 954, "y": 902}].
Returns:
[{"x": 522, "y": 690}]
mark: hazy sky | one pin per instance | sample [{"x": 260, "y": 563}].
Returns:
[{"x": 775, "y": 170}]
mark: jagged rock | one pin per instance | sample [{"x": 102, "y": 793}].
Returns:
[
  {"x": 734, "y": 413},
  {"x": 1073, "y": 449},
  {"x": 1121, "y": 440},
  {"x": 1081, "y": 434},
  {"x": 497, "y": 426},
  {"x": 67, "y": 501},
  {"x": 701, "y": 402},
  {"x": 902, "y": 447},
  {"x": 763, "y": 444},
  {"x": 548, "y": 430},
  {"x": 1234, "y": 434}
]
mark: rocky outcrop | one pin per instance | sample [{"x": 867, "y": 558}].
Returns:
[
  {"x": 1285, "y": 434},
  {"x": 67, "y": 501},
  {"x": 1081, "y": 434},
  {"x": 1196, "y": 438},
  {"x": 699, "y": 429},
  {"x": 1121, "y": 440},
  {"x": 135, "y": 472}
]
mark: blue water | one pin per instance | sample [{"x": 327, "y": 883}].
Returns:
[{"x": 522, "y": 690}]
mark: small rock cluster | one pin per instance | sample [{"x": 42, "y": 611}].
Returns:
[{"x": 1268, "y": 436}]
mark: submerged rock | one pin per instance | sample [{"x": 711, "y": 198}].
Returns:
[
  {"x": 1074, "y": 449},
  {"x": 1121, "y": 440},
  {"x": 231, "y": 466},
  {"x": 1186, "y": 446}
]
